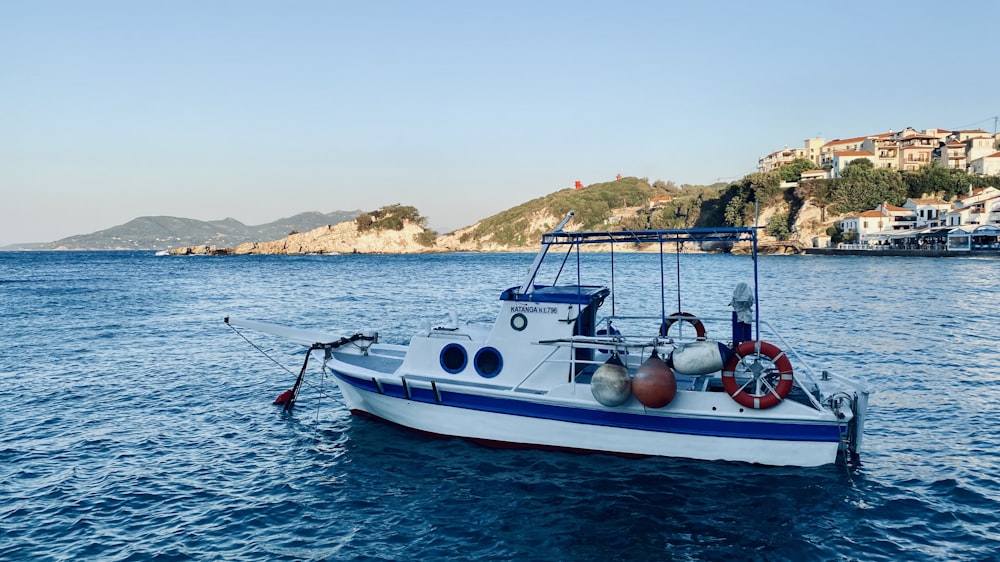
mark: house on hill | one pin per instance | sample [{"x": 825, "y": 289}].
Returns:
[
  {"x": 812, "y": 175},
  {"x": 658, "y": 202},
  {"x": 843, "y": 158},
  {"x": 951, "y": 155},
  {"x": 884, "y": 148},
  {"x": 829, "y": 149},
  {"x": 973, "y": 151},
  {"x": 986, "y": 165},
  {"x": 915, "y": 151}
]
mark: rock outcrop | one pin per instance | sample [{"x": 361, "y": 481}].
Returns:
[{"x": 343, "y": 238}]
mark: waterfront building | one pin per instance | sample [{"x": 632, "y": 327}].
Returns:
[
  {"x": 929, "y": 211},
  {"x": 867, "y": 225},
  {"x": 899, "y": 218},
  {"x": 981, "y": 206}
]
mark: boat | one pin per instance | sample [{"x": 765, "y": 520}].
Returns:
[{"x": 564, "y": 366}]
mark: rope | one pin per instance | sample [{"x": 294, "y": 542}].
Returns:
[
  {"x": 258, "y": 348},
  {"x": 300, "y": 378}
]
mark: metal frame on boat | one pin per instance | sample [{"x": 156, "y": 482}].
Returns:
[{"x": 558, "y": 370}]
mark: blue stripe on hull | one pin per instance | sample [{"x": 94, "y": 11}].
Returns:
[{"x": 781, "y": 431}]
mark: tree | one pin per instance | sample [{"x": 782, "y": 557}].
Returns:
[
  {"x": 934, "y": 179},
  {"x": 862, "y": 186},
  {"x": 763, "y": 186},
  {"x": 793, "y": 171},
  {"x": 778, "y": 226}
]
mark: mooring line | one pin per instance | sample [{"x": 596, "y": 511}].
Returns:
[{"x": 258, "y": 348}]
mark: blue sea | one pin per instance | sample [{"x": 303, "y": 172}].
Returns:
[{"x": 136, "y": 425}]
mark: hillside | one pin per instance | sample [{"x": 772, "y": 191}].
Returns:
[
  {"x": 162, "y": 233},
  {"x": 627, "y": 203}
]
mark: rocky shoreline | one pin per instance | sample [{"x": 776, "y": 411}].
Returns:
[{"x": 345, "y": 238}]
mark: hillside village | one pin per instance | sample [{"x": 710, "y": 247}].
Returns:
[{"x": 969, "y": 221}]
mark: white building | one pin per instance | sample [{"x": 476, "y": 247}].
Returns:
[
  {"x": 929, "y": 211},
  {"x": 980, "y": 206},
  {"x": 986, "y": 166}
]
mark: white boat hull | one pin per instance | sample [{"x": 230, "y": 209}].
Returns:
[{"x": 478, "y": 417}]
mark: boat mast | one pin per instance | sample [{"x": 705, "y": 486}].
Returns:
[
  {"x": 528, "y": 284},
  {"x": 756, "y": 286}
]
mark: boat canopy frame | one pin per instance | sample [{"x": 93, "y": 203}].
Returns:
[{"x": 677, "y": 236}]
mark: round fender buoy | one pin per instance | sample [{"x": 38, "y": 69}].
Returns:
[
  {"x": 764, "y": 394},
  {"x": 699, "y": 328},
  {"x": 654, "y": 383},
  {"x": 610, "y": 384}
]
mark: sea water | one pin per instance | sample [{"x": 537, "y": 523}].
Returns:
[{"x": 135, "y": 425}]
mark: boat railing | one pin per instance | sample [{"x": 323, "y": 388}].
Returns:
[
  {"x": 638, "y": 346},
  {"x": 619, "y": 323},
  {"x": 787, "y": 347}
]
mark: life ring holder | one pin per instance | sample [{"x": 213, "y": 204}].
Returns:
[
  {"x": 771, "y": 397},
  {"x": 676, "y": 317}
]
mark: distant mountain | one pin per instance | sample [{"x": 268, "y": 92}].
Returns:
[{"x": 162, "y": 233}]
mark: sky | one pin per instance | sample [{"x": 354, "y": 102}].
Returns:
[{"x": 258, "y": 110}]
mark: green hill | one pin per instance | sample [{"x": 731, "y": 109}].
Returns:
[{"x": 627, "y": 203}]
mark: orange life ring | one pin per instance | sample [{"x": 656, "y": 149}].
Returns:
[
  {"x": 699, "y": 328},
  {"x": 767, "y": 399}
]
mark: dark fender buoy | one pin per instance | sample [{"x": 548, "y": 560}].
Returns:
[{"x": 284, "y": 398}]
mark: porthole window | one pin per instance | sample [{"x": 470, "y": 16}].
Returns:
[
  {"x": 488, "y": 362},
  {"x": 454, "y": 358},
  {"x": 519, "y": 321}
]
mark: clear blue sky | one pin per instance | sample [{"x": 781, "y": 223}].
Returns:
[{"x": 257, "y": 110}]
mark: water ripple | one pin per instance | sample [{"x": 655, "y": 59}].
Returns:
[{"x": 137, "y": 427}]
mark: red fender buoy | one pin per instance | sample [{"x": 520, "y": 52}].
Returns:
[
  {"x": 284, "y": 397},
  {"x": 768, "y": 399},
  {"x": 699, "y": 328},
  {"x": 654, "y": 384}
]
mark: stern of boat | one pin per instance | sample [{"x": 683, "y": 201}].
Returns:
[{"x": 848, "y": 398}]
